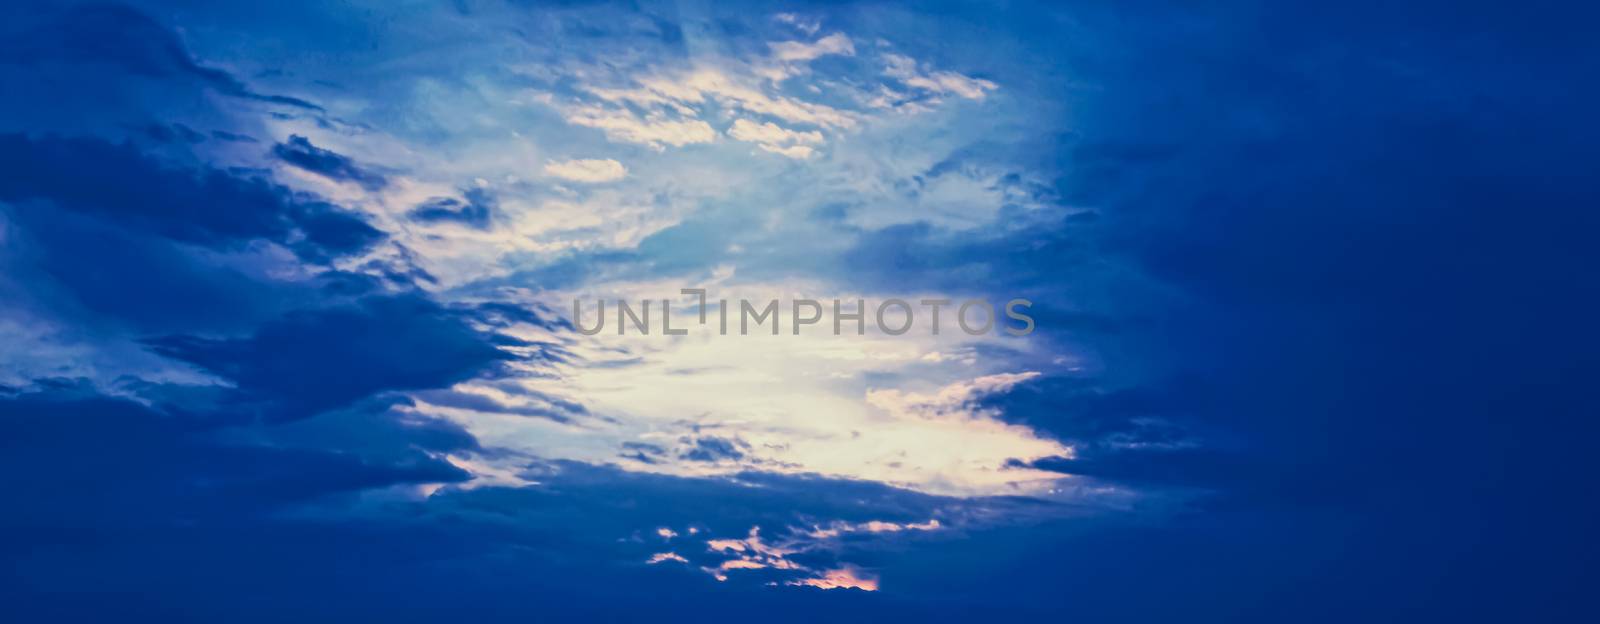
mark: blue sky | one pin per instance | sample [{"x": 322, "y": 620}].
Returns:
[{"x": 286, "y": 294}]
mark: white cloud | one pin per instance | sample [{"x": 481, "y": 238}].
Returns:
[
  {"x": 746, "y": 130},
  {"x": 668, "y": 110},
  {"x": 839, "y": 527},
  {"x": 835, "y": 43},
  {"x": 755, "y": 553},
  {"x": 846, "y": 577},
  {"x": 587, "y": 170},
  {"x": 952, "y": 402},
  {"x": 800, "y": 404},
  {"x": 685, "y": 92},
  {"x": 753, "y": 100},
  {"x": 653, "y": 130},
  {"x": 775, "y": 138},
  {"x": 666, "y": 556},
  {"x": 797, "y": 152},
  {"x": 808, "y": 26},
  {"x": 904, "y": 69}
]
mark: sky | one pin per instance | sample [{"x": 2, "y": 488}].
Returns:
[{"x": 292, "y": 299}]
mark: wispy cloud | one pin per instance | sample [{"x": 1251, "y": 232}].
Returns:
[
  {"x": 655, "y": 131},
  {"x": 587, "y": 170},
  {"x": 777, "y": 139},
  {"x": 835, "y": 43},
  {"x": 916, "y": 76},
  {"x": 807, "y": 25}
]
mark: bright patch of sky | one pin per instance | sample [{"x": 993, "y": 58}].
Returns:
[{"x": 664, "y": 154}]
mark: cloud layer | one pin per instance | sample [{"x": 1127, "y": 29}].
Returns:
[{"x": 285, "y": 295}]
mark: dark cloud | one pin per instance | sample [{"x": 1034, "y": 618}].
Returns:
[
  {"x": 501, "y": 314},
  {"x": 400, "y": 267},
  {"x": 1080, "y": 411},
  {"x": 206, "y": 207},
  {"x": 88, "y": 269},
  {"x": 96, "y": 462},
  {"x": 539, "y": 405},
  {"x": 179, "y": 499},
  {"x": 313, "y": 360},
  {"x": 104, "y": 234},
  {"x": 474, "y": 210},
  {"x": 643, "y": 452},
  {"x": 224, "y": 135},
  {"x": 299, "y": 151},
  {"x": 1360, "y": 321},
  {"x": 708, "y": 448},
  {"x": 1329, "y": 199},
  {"x": 173, "y": 133},
  {"x": 119, "y": 36}
]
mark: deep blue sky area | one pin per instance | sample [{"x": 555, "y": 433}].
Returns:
[{"x": 285, "y": 296}]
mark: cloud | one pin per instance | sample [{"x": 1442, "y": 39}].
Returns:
[
  {"x": 315, "y": 360},
  {"x": 505, "y": 396},
  {"x": 588, "y": 170},
  {"x": 165, "y": 488},
  {"x": 138, "y": 191},
  {"x": 1306, "y": 301},
  {"x": 474, "y": 209},
  {"x": 797, "y": 152},
  {"x": 673, "y": 103},
  {"x": 846, "y": 577},
  {"x": 224, "y": 135},
  {"x": 776, "y": 139},
  {"x": 905, "y": 69},
  {"x": 713, "y": 449},
  {"x": 835, "y": 43},
  {"x": 796, "y": 552},
  {"x": 313, "y": 356},
  {"x": 173, "y": 133},
  {"x": 123, "y": 37},
  {"x": 803, "y": 24},
  {"x": 957, "y": 400},
  {"x": 481, "y": 403},
  {"x": 838, "y": 528},
  {"x": 653, "y": 130},
  {"x": 51, "y": 273},
  {"x": 128, "y": 465},
  {"x": 299, "y": 151},
  {"x": 745, "y": 130},
  {"x": 726, "y": 88}
]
